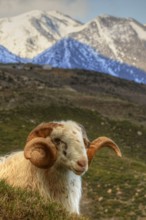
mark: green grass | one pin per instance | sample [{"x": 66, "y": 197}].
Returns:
[
  {"x": 16, "y": 204},
  {"x": 117, "y": 187}
]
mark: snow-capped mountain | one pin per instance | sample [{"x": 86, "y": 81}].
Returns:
[
  {"x": 30, "y": 33},
  {"x": 7, "y": 57},
  {"x": 117, "y": 38},
  {"x": 107, "y": 44},
  {"x": 69, "y": 53}
]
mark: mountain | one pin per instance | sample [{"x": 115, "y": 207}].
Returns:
[
  {"x": 7, "y": 57},
  {"x": 107, "y": 44},
  {"x": 71, "y": 54},
  {"x": 120, "y": 39},
  {"x": 30, "y": 33}
]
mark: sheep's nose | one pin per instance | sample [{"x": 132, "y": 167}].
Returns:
[{"x": 82, "y": 163}]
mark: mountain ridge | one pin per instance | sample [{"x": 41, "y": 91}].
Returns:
[
  {"x": 117, "y": 38},
  {"x": 68, "y": 53},
  {"x": 116, "y": 45},
  {"x": 34, "y": 31},
  {"x": 106, "y": 33},
  {"x": 75, "y": 55}
]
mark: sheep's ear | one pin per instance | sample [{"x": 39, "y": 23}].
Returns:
[
  {"x": 41, "y": 152},
  {"x": 85, "y": 137},
  {"x": 99, "y": 143}
]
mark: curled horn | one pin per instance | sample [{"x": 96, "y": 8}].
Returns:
[
  {"x": 39, "y": 149},
  {"x": 99, "y": 143},
  {"x": 41, "y": 152}
]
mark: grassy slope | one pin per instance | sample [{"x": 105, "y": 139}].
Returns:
[
  {"x": 118, "y": 188},
  {"x": 18, "y": 204},
  {"x": 113, "y": 187},
  {"x": 112, "y": 182}
]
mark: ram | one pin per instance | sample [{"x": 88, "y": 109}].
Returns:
[{"x": 55, "y": 157}]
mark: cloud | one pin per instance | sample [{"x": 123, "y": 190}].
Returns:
[{"x": 74, "y": 8}]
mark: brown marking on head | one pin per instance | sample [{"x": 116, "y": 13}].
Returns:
[{"x": 43, "y": 130}]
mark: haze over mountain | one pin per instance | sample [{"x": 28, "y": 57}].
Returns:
[{"x": 107, "y": 44}]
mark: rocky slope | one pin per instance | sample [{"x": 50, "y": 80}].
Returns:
[
  {"x": 113, "y": 97},
  {"x": 117, "y": 38}
]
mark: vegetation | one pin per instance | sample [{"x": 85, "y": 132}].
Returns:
[
  {"x": 18, "y": 204},
  {"x": 113, "y": 188}
]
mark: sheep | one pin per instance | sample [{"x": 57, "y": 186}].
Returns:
[{"x": 55, "y": 157}]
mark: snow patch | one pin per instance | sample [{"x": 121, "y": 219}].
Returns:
[{"x": 140, "y": 31}]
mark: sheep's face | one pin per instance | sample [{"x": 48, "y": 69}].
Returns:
[
  {"x": 63, "y": 144},
  {"x": 71, "y": 147}
]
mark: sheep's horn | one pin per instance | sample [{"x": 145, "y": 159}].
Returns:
[
  {"x": 41, "y": 152},
  {"x": 39, "y": 149},
  {"x": 99, "y": 143}
]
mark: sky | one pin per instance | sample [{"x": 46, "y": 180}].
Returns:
[{"x": 82, "y": 10}]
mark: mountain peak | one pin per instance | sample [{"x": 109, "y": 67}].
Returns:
[{"x": 34, "y": 31}]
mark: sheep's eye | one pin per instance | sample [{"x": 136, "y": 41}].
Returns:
[
  {"x": 57, "y": 141},
  {"x": 64, "y": 152}
]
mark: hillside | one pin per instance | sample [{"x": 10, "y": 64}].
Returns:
[
  {"x": 113, "y": 187},
  {"x": 16, "y": 204}
]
